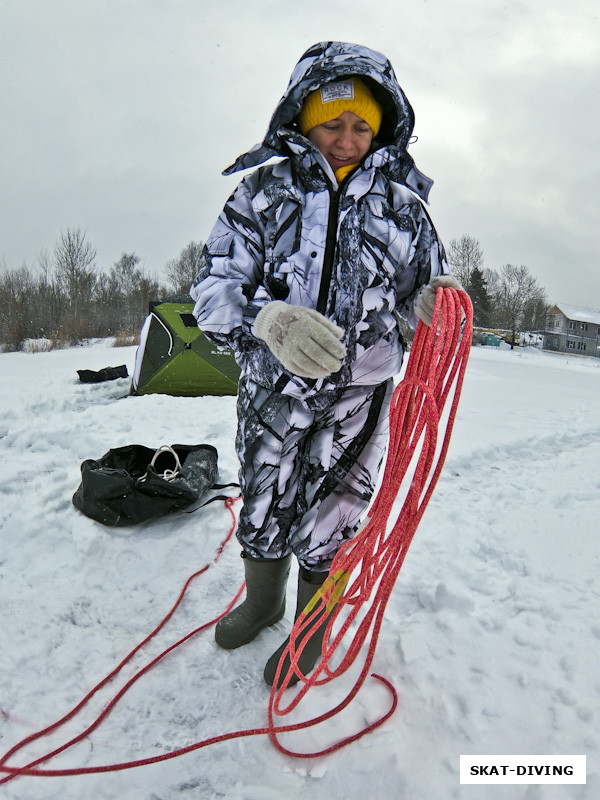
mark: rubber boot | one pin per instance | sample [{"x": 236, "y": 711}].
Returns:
[
  {"x": 308, "y": 584},
  {"x": 266, "y": 581}
]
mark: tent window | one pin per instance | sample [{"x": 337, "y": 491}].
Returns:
[{"x": 189, "y": 320}]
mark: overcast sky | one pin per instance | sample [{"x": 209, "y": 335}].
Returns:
[{"x": 118, "y": 116}]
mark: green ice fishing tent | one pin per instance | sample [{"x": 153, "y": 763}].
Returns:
[{"x": 174, "y": 357}]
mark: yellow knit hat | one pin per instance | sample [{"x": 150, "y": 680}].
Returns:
[{"x": 332, "y": 99}]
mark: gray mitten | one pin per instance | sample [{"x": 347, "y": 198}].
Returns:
[
  {"x": 306, "y": 342},
  {"x": 426, "y": 299}
]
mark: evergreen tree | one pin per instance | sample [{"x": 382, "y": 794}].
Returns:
[{"x": 480, "y": 298}]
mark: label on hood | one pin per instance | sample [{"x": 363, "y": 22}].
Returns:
[{"x": 342, "y": 90}]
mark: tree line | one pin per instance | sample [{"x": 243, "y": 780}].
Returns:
[
  {"x": 67, "y": 300},
  {"x": 509, "y": 299}
]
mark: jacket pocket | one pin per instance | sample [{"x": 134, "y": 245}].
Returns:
[
  {"x": 283, "y": 238},
  {"x": 220, "y": 245}
]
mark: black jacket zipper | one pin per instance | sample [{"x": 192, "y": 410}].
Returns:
[{"x": 330, "y": 247}]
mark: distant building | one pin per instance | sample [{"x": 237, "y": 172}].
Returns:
[{"x": 571, "y": 329}]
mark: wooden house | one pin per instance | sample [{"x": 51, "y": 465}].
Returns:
[{"x": 572, "y": 329}]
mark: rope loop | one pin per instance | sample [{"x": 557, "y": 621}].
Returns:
[{"x": 167, "y": 474}]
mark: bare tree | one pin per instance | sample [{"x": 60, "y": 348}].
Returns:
[
  {"x": 15, "y": 287},
  {"x": 464, "y": 256},
  {"x": 493, "y": 281},
  {"x": 74, "y": 259},
  {"x": 128, "y": 292},
  {"x": 535, "y": 311},
  {"x": 518, "y": 291},
  {"x": 182, "y": 271},
  {"x": 45, "y": 264},
  {"x": 119, "y": 291},
  {"x": 125, "y": 273}
]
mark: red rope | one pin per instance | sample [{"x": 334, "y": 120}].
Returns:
[
  {"x": 28, "y": 769},
  {"x": 435, "y": 371}
]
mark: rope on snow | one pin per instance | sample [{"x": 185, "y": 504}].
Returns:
[{"x": 434, "y": 373}]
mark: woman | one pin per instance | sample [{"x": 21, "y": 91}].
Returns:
[{"x": 304, "y": 275}]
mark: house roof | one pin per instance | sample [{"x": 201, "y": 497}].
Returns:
[{"x": 577, "y": 313}]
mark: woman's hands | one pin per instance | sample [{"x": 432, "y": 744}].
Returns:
[
  {"x": 426, "y": 298},
  {"x": 306, "y": 342}
]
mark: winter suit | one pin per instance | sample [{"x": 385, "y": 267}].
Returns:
[{"x": 311, "y": 450}]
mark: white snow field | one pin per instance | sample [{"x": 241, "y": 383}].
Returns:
[{"x": 491, "y": 637}]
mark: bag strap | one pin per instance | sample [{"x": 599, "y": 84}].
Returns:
[{"x": 222, "y": 497}]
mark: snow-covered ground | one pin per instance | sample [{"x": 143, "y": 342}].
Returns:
[{"x": 491, "y": 637}]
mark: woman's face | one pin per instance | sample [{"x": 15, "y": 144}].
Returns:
[{"x": 344, "y": 140}]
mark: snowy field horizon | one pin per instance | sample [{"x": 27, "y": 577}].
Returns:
[{"x": 491, "y": 636}]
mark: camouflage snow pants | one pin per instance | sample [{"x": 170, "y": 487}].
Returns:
[{"x": 307, "y": 476}]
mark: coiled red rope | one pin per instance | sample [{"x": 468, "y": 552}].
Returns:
[
  {"x": 435, "y": 371},
  {"x": 365, "y": 567}
]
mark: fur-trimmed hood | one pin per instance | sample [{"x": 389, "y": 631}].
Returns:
[{"x": 329, "y": 61}]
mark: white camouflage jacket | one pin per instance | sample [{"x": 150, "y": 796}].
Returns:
[{"x": 357, "y": 253}]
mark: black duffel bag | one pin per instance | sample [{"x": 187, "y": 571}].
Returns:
[
  {"x": 106, "y": 374},
  {"x": 134, "y": 483}
]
